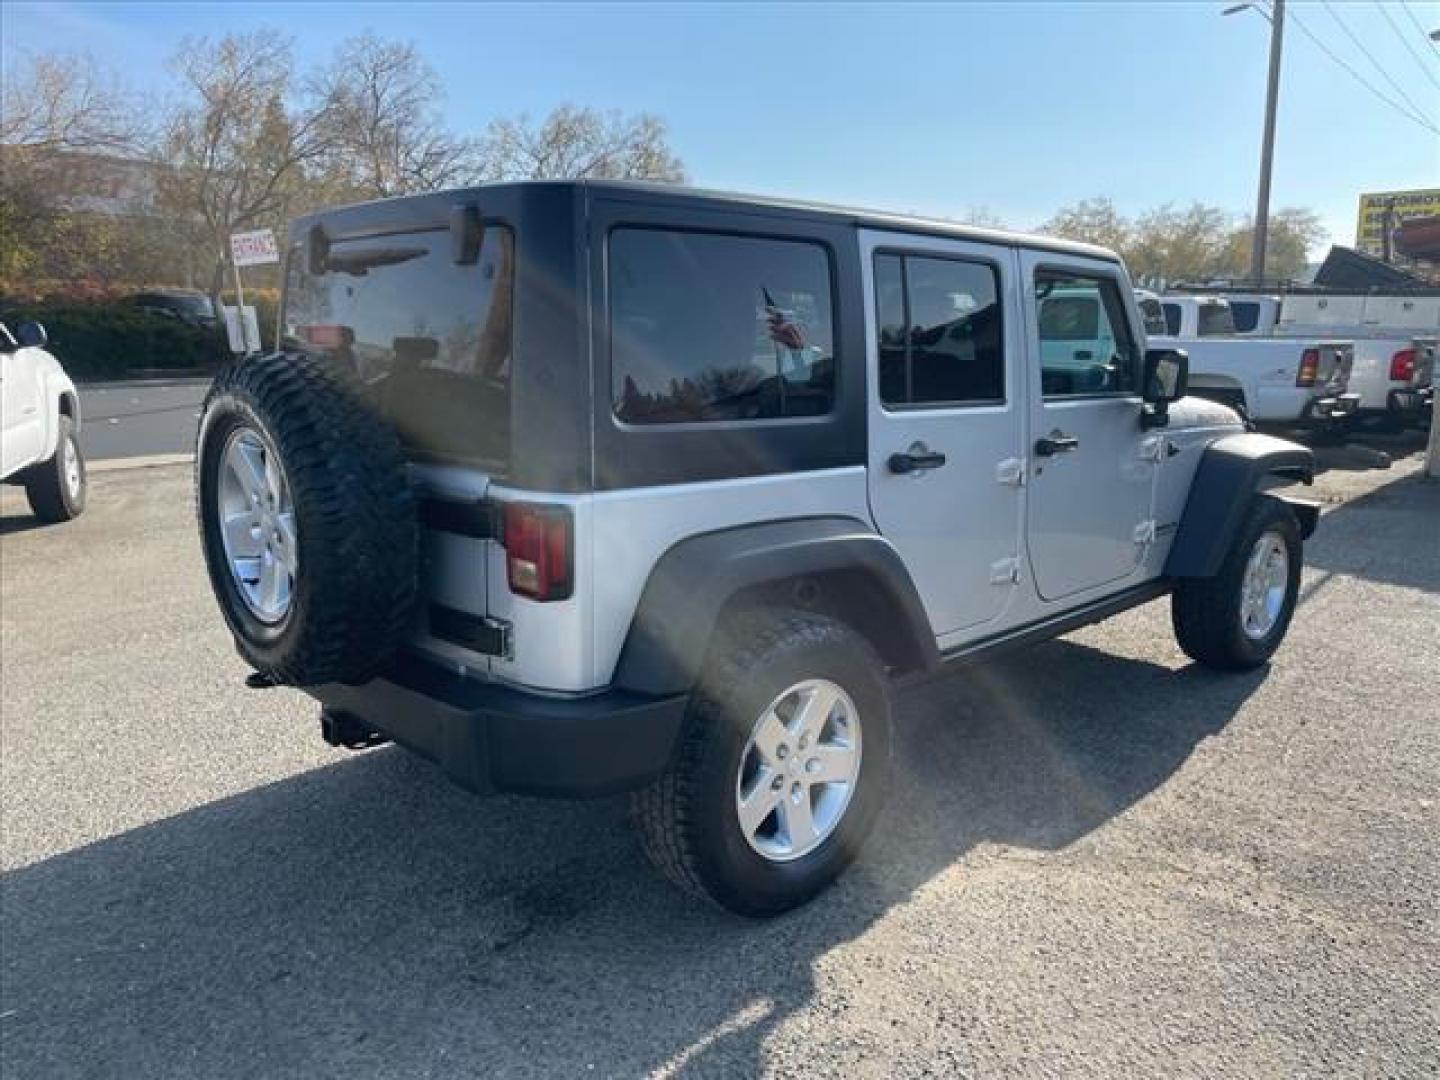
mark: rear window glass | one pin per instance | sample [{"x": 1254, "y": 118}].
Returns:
[
  {"x": 430, "y": 338},
  {"x": 1246, "y": 314},
  {"x": 706, "y": 327}
]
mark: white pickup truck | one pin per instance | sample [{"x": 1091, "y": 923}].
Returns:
[
  {"x": 1396, "y": 337},
  {"x": 1269, "y": 380},
  {"x": 39, "y": 425}
]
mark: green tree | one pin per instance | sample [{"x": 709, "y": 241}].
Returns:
[{"x": 1091, "y": 221}]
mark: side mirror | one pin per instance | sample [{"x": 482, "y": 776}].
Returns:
[
  {"x": 31, "y": 335},
  {"x": 1166, "y": 379},
  {"x": 1167, "y": 375}
]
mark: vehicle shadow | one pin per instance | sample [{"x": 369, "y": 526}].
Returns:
[
  {"x": 367, "y": 918},
  {"x": 19, "y": 523},
  {"x": 1389, "y": 535}
]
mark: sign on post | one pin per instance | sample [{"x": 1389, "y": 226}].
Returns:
[{"x": 254, "y": 248}]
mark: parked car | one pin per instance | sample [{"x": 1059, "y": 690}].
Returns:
[
  {"x": 187, "y": 305},
  {"x": 1292, "y": 381},
  {"x": 577, "y": 488},
  {"x": 39, "y": 425}
]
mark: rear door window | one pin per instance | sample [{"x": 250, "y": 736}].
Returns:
[
  {"x": 938, "y": 331},
  {"x": 712, "y": 327},
  {"x": 1246, "y": 315},
  {"x": 1215, "y": 320},
  {"x": 430, "y": 339}
]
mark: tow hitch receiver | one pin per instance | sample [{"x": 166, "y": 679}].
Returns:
[{"x": 342, "y": 729}]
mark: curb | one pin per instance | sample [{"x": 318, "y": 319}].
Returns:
[{"x": 148, "y": 461}]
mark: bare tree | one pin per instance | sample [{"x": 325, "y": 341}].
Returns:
[
  {"x": 63, "y": 121},
  {"x": 238, "y": 144},
  {"x": 55, "y": 103},
  {"x": 380, "y": 119},
  {"x": 575, "y": 142}
]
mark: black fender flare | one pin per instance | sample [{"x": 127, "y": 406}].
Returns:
[
  {"x": 829, "y": 560},
  {"x": 1231, "y": 471}
]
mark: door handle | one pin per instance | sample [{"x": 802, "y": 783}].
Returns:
[
  {"x": 913, "y": 462},
  {"x": 1057, "y": 442}
]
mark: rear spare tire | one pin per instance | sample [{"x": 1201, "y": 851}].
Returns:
[{"x": 306, "y": 519}]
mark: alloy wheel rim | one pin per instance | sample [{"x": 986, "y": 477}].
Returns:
[
  {"x": 799, "y": 770},
  {"x": 257, "y": 524},
  {"x": 71, "y": 460},
  {"x": 1263, "y": 586}
]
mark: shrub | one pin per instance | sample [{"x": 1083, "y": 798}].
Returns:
[{"x": 111, "y": 339}]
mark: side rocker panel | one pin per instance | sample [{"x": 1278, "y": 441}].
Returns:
[
  {"x": 1232, "y": 470},
  {"x": 694, "y": 580}
]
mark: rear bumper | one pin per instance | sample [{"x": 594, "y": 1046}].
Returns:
[
  {"x": 489, "y": 737},
  {"x": 1332, "y": 409},
  {"x": 1411, "y": 405}
]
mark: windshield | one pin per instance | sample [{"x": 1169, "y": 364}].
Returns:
[{"x": 429, "y": 337}]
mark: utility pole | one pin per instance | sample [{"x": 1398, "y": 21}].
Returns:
[{"x": 1267, "y": 146}]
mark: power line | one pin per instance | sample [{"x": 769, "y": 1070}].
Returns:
[
  {"x": 1405, "y": 40},
  {"x": 1418, "y": 28},
  {"x": 1373, "y": 62},
  {"x": 1426, "y": 124}
]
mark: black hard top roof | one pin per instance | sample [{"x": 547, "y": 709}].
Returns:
[{"x": 410, "y": 211}]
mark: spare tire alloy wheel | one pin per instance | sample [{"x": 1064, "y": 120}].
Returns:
[
  {"x": 799, "y": 770},
  {"x": 257, "y": 517},
  {"x": 307, "y": 521}
]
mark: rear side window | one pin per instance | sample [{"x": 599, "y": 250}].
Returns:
[
  {"x": 1246, "y": 314},
  {"x": 938, "y": 329},
  {"x": 430, "y": 338},
  {"x": 709, "y": 327},
  {"x": 1215, "y": 320},
  {"x": 1086, "y": 347}
]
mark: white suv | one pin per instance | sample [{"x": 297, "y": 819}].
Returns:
[
  {"x": 578, "y": 488},
  {"x": 39, "y": 425}
]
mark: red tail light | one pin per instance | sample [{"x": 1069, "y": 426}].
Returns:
[
  {"x": 538, "y": 550},
  {"x": 1309, "y": 368},
  {"x": 1402, "y": 365}
]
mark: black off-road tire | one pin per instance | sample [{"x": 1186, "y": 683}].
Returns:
[
  {"x": 1205, "y": 612},
  {"x": 357, "y": 536},
  {"x": 48, "y": 488},
  {"x": 687, "y": 819}
]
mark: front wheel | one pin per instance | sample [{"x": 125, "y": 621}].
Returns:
[
  {"x": 56, "y": 488},
  {"x": 1237, "y": 619},
  {"x": 782, "y": 768}
]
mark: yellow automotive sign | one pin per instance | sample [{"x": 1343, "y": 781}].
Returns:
[{"x": 1387, "y": 210}]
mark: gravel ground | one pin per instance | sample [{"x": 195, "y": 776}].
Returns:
[{"x": 1098, "y": 860}]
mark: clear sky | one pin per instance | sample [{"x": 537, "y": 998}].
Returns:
[{"x": 939, "y": 109}]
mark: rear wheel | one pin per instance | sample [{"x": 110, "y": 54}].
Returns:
[
  {"x": 1237, "y": 619},
  {"x": 782, "y": 767},
  {"x": 56, "y": 488}
]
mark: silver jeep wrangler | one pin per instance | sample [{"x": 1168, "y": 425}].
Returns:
[{"x": 577, "y": 488}]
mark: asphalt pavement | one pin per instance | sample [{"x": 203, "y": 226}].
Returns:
[
  {"x": 1098, "y": 859},
  {"x": 122, "y": 420}
]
